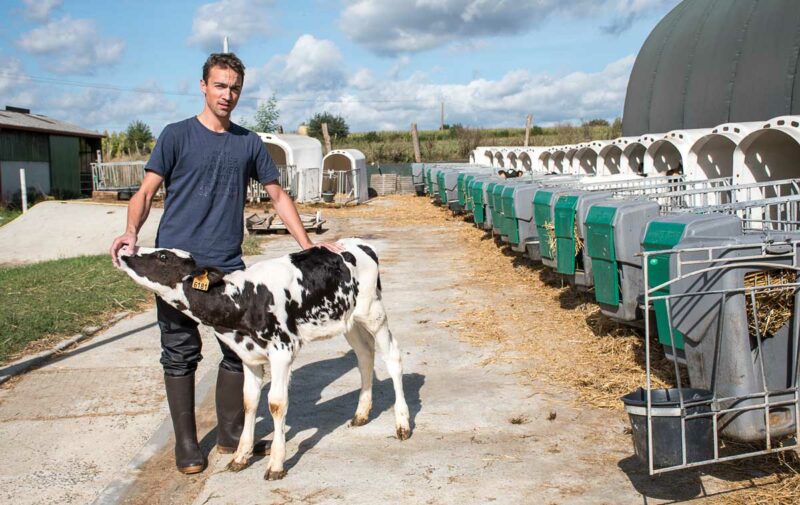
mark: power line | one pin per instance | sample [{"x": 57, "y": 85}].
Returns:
[{"x": 112, "y": 87}]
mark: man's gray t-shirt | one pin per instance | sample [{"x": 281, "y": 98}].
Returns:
[{"x": 206, "y": 176}]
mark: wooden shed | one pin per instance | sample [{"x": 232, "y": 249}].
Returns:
[{"x": 56, "y": 155}]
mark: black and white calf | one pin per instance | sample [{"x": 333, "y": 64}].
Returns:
[{"x": 266, "y": 312}]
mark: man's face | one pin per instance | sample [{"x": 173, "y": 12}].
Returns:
[{"x": 222, "y": 90}]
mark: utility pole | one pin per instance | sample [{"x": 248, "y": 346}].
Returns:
[
  {"x": 528, "y": 130},
  {"x": 441, "y": 120}
]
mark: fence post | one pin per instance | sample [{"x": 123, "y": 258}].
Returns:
[
  {"x": 528, "y": 130},
  {"x": 327, "y": 138},
  {"x": 415, "y": 140},
  {"x": 23, "y": 190}
]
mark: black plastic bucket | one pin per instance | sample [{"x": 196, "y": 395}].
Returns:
[
  {"x": 420, "y": 189},
  {"x": 666, "y": 415}
]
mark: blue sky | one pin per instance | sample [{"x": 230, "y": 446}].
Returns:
[{"x": 382, "y": 64}]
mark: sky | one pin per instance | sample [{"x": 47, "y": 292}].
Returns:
[{"x": 381, "y": 64}]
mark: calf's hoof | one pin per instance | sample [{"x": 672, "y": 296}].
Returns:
[
  {"x": 233, "y": 466},
  {"x": 403, "y": 433},
  {"x": 274, "y": 475},
  {"x": 359, "y": 421}
]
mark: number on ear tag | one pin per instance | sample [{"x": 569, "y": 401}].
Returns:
[{"x": 200, "y": 282}]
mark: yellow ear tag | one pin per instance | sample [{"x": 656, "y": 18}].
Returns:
[{"x": 201, "y": 281}]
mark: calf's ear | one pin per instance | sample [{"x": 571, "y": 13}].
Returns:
[{"x": 206, "y": 277}]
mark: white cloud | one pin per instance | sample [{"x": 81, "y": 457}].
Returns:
[
  {"x": 399, "y": 65},
  {"x": 628, "y": 11},
  {"x": 11, "y": 75},
  {"x": 71, "y": 46},
  {"x": 238, "y": 19},
  {"x": 389, "y": 27},
  {"x": 311, "y": 65},
  {"x": 112, "y": 110},
  {"x": 370, "y": 103},
  {"x": 39, "y": 10}
]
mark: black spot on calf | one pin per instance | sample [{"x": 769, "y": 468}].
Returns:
[
  {"x": 348, "y": 257},
  {"x": 368, "y": 250}
]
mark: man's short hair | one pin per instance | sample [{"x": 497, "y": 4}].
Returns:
[{"x": 223, "y": 60}]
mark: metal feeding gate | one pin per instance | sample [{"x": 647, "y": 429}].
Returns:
[
  {"x": 288, "y": 177},
  {"x": 733, "y": 301},
  {"x": 121, "y": 176},
  {"x": 617, "y": 230}
]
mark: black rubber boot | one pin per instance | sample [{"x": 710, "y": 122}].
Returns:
[
  {"x": 230, "y": 412},
  {"x": 180, "y": 396}
]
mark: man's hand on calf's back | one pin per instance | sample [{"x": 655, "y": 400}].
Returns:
[{"x": 331, "y": 246}]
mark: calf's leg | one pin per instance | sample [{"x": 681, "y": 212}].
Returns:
[
  {"x": 280, "y": 362},
  {"x": 253, "y": 375},
  {"x": 364, "y": 346},
  {"x": 377, "y": 325}
]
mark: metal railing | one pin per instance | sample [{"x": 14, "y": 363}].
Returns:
[
  {"x": 288, "y": 179},
  {"x": 116, "y": 176},
  {"x": 694, "y": 266},
  {"x": 342, "y": 183}
]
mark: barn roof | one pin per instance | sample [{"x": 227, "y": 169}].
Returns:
[{"x": 21, "y": 119}]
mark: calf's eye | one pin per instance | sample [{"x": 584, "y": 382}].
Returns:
[{"x": 162, "y": 257}]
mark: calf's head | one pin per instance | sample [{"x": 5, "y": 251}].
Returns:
[{"x": 159, "y": 270}]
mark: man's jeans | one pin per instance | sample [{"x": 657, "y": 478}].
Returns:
[{"x": 181, "y": 343}]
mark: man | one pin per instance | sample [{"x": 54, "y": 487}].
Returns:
[{"x": 205, "y": 163}]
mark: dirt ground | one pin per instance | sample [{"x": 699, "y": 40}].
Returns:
[{"x": 512, "y": 381}]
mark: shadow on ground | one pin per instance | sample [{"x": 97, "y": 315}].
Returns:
[{"x": 306, "y": 411}]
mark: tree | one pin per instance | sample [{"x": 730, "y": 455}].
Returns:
[
  {"x": 597, "y": 122},
  {"x": 616, "y": 128},
  {"x": 266, "y": 117},
  {"x": 337, "y": 126},
  {"x": 138, "y": 136}
]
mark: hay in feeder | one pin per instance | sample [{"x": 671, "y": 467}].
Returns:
[
  {"x": 578, "y": 240},
  {"x": 550, "y": 229},
  {"x": 774, "y": 303}
]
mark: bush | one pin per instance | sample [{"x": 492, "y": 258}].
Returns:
[
  {"x": 337, "y": 126},
  {"x": 371, "y": 137},
  {"x": 138, "y": 136}
]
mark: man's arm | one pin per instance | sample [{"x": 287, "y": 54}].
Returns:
[
  {"x": 138, "y": 210},
  {"x": 285, "y": 208}
]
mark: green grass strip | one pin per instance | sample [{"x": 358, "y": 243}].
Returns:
[
  {"x": 8, "y": 215},
  {"x": 59, "y": 298}
]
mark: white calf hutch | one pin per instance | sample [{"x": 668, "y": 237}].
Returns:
[
  {"x": 770, "y": 152},
  {"x": 299, "y": 159},
  {"x": 344, "y": 174},
  {"x": 711, "y": 155}
]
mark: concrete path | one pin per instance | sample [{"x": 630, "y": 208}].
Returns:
[
  {"x": 93, "y": 426},
  {"x": 64, "y": 229}
]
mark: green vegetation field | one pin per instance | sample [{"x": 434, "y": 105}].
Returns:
[
  {"x": 58, "y": 298},
  {"x": 455, "y": 144},
  {"x": 8, "y": 215}
]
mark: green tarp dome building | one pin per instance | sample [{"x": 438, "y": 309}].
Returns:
[{"x": 710, "y": 62}]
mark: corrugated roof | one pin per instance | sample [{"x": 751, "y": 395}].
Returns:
[{"x": 39, "y": 123}]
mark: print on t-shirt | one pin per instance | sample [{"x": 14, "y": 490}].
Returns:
[{"x": 218, "y": 173}]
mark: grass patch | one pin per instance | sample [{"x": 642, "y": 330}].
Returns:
[
  {"x": 58, "y": 298},
  {"x": 251, "y": 246},
  {"x": 8, "y": 215}
]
